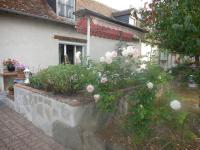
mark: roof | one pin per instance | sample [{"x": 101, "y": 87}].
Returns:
[
  {"x": 34, "y": 8},
  {"x": 41, "y": 8},
  {"x": 95, "y": 6},
  {"x": 123, "y": 12},
  {"x": 86, "y": 12}
]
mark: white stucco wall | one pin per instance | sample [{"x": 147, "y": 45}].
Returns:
[
  {"x": 31, "y": 41},
  {"x": 99, "y": 46}
]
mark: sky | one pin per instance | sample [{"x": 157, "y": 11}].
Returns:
[{"x": 124, "y": 4}]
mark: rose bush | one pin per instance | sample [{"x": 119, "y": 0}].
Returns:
[{"x": 124, "y": 76}]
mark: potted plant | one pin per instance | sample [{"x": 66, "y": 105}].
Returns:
[
  {"x": 10, "y": 89},
  {"x": 10, "y": 64},
  {"x": 20, "y": 70}
]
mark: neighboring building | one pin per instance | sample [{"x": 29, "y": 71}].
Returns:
[
  {"x": 40, "y": 32},
  {"x": 128, "y": 16}
]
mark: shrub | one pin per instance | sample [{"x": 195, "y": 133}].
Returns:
[
  {"x": 183, "y": 71},
  {"x": 150, "y": 114},
  {"x": 63, "y": 79}
]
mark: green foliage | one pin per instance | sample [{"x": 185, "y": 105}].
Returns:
[
  {"x": 183, "y": 71},
  {"x": 63, "y": 79},
  {"x": 174, "y": 25},
  {"x": 120, "y": 75},
  {"x": 146, "y": 90}
]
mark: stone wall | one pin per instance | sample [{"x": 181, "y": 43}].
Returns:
[
  {"x": 60, "y": 120},
  {"x": 70, "y": 122}
]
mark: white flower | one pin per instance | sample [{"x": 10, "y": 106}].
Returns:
[
  {"x": 102, "y": 59},
  {"x": 143, "y": 66},
  {"x": 108, "y": 60},
  {"x": 125, "y": 52},
  {"x": 108, "y": 55},
  {"x": 130, "y": 51},
  {"x": 175, "y": 104},
  {"x": 136, "y": 52},
  {"x": 96, "y": 97},
  {"x": 90, "y": 88},
  {"x": 141, "y": 106},
  {"x": 150, "y": 85},
  {"x": 114, "y": 54},
  {"x": 104, "y": 80}
]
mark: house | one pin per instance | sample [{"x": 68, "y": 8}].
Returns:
[{"x": 39, "y": 33}]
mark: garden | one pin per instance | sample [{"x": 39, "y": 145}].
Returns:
[{"x": 147, "y": 112}]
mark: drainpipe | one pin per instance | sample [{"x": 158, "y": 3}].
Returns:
[{"x": 88, "y": 36}]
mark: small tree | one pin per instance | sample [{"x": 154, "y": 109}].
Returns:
[{"x": 174, "y": 26}]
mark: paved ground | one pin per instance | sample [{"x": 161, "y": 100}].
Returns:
[{"x": 17, "y": 133}]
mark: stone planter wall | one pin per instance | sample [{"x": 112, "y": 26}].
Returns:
[
  {"x": 70, "y": 122},
  {"x": 64, "y": 121}
]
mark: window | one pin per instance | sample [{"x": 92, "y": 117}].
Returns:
[
  {"x": 69, "y": 51},
  {"x": 65, "y": 8},
  {"x": 132, "y": 21}
]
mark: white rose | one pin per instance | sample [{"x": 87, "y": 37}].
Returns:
[
  {"x": 150, "y": 85},
  {"x": 104, "y": 80},
  {"x": 108, "y": 60},
  {"x": 175, "y": 104},
  {"x": 108, "y": 54},
  {"x": 114, "y": 54},
  {"x": 96, "y": 97},
  {"x": 90, "y": 88},
  {"x": 102, "y": 59},
  {"x": 125, "y": 53},
  {"x": 143, "y": 66},
  {"x": 130, "y": 51},
  {"x": 136, "y": 52}
]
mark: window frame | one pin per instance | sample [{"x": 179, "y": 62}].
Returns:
[
  {"x": 57, "y": 12},
  {"x": 84, "y": 53},
  {"x": 134, "y": 20}
]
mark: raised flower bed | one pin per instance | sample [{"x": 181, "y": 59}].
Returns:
[
  {"x": 63, "y": 118},
  {"x": 62, "y": 100}
]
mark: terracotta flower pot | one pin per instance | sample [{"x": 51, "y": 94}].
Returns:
[
  {"x": 20, "y": 75},
  {"x": 11, "y": 92}
]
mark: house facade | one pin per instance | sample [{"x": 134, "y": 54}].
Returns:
[{"x": 39, "y": 33}]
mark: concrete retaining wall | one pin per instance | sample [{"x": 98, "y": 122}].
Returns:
[
  {"x": 64, "y": 122},
  {"x": 70, "y": 122}
]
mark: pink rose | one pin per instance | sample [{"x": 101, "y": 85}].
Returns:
[{"x": 90, "y": 88}]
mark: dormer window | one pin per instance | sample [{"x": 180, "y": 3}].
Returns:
[
  {"x": 132, "y": 21},
  {"x": 65, "y": 8}
]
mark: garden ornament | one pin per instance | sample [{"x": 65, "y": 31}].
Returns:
[{"x": 27, "y": 75}]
